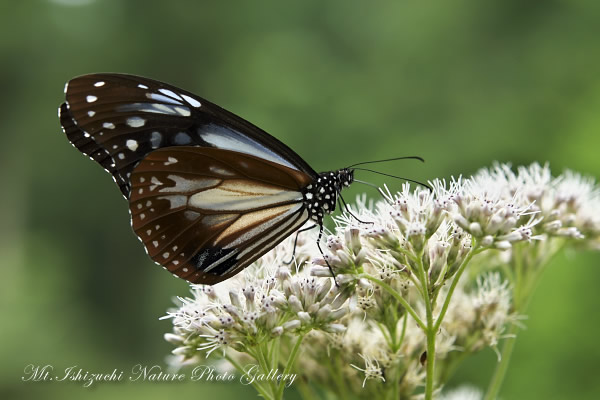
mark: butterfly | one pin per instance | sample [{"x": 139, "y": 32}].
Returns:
[{"x": 209, "y": 193}]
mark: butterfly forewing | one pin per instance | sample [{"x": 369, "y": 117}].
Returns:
[
  {"x": 206, "y": 213},
  {"x": 118, "y": 119}
]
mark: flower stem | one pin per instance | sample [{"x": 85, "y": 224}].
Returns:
[
  {"x": 430, "y": 361},
  {"x": 262, "y": 352},
  {"x": 257, "y": 385},
  {"x": 398, "y": 297},
  {"x": 461, "y": 269},
  {"x": 502, "y": 367},
  {"x": 525, "y": 285},
  {"x": 430, "y": 330},
  {"x": 290, "y": 364}
]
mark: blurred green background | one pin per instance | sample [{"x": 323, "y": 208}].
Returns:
[{"x": 461, "y": 83}]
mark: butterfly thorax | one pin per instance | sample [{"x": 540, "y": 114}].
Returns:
[{"x": 320, "y": 197}]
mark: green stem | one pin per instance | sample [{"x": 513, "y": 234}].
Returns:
[
  {"x": 335, "y": 372},
  {"x": 305, "y": 391},
  {"x": 398, "y": 297},
  {"x": 502, "y": 367},
  {"x": 430, "y": 360},
  {"x": 523, "y": 293},
  {"x": 257, "y": 385},
  {"x": 264, "y": 364},
  {"x": 430, "y": 330},
  {"x": 461, "y": 269},
  {"x": 290, "y": 364}
]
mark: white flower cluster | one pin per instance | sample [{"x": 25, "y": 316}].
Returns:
[
  {"x": 262, "y": 303},
  {"x": 367, "y": 331}
]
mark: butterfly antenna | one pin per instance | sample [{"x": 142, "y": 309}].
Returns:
[
  {"x": 394, "y": 176},
  {"x": 388, "y": 159}
]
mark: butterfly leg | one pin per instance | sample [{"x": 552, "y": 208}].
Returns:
[
  {"x": 350, "y": 212},
  {"x": 323, "y": 254},
  {"x": 296, "y": 243}
]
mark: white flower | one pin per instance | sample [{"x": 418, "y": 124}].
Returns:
[{"x": 372, "y": 370}]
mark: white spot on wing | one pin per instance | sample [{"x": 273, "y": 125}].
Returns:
[
  {"x": 191, "y": 101},
  {"x": 108, "y": 125},
  {"x": 132, "y": 144},
  {"x": 99, "y": 83},
  {"x": 220, "y": 171},
  {"x": 164, "y": 99},
  {"x": 184, "y": 111},
  {"x": 170, "y": 93},
  {"x": 91, "y": 99},
  {"x": 91, "y": 113},
  {"x": 155, "y": 139},
  {"x": 136, "y": 122},
  {"x": 142, "y": 86},
  {"x": 170, "y": 160},
  {"x": 155, "y": 183}
]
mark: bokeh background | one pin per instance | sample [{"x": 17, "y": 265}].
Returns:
[{"x": 461, "y": 83}]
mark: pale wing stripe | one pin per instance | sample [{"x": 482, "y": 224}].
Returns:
[
  {"x": 286, "y": 232},
  {"x": 220, "y": 260},
  {"x": 227, "y": 200},
  {"x": 229, "y": 139},
  {"x": 283, "y": 227},
  {"x": 184, "y": 185},
  {"x": 271, "y": 216}
]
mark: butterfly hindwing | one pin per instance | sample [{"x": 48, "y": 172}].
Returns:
[
  {"x": 206, "y": 213},
  {"x": 119, "y": 119}
]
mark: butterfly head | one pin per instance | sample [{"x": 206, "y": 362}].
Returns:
[{"x": 346, "y": 177}]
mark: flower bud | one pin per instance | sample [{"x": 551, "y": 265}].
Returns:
[
  {"x": 352, "y": 237},
  {"x": 304, "y": 317},
  {"x": 235, "y": 298},
  {"x": 502, "y": 245},
  {"x": 249, "y": 292},
  {"x": 487, "y": 241},
  {"x": 292, "y": 325},
  {"x": 295, "y": 304},
  {"x": 173, "y": 339},
  {"x": 277, "y": 331},
  {"x": 475, "y": 229},
  {"x": 322, "y": 272}
]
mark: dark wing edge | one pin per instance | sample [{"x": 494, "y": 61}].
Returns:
[{"x": 84, "y": 142}]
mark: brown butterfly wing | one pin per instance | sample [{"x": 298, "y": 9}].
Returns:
[{"x": 205, "y": 213}]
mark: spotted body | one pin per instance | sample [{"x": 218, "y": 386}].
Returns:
[
  {"x": 208, "y": 192},
  {"x": 320, "y": 198}
]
